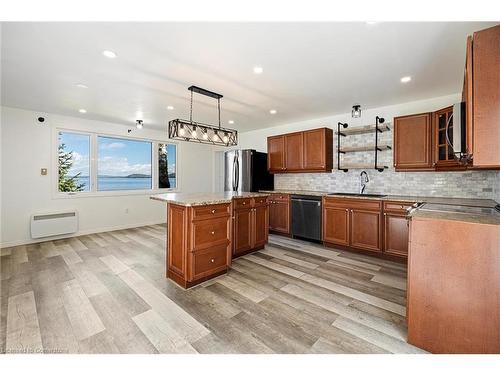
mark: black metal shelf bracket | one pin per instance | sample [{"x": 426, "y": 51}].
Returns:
[
  {"x": 340, "y": 134},
  {"x": 378, "y": 120}
]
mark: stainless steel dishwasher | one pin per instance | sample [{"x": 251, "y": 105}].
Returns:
[{"x": 306, "y": 217}]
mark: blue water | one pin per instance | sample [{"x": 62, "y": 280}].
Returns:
[{"x": 121, "y": 183}]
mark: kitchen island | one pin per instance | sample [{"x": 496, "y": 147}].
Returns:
[{"x": 206, "y": 230}]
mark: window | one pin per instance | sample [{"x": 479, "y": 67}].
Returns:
[
  {"x": 73, "y": 153},
  {"x": 123, "y": 164},
  {"x": 167, "y": 155},
  {"x": 95, "y": 164}
]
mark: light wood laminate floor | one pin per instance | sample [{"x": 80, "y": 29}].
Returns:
[{"x": 107, "y": 293}]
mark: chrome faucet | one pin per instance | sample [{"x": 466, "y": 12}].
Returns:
[{"x": 363, "y": 180}]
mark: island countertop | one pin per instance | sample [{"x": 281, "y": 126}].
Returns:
[{"x": 203, "y": 199}]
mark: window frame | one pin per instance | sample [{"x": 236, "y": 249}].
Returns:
[{"x": 93, "y": 161}]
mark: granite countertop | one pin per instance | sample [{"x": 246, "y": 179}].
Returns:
[
  {"x": 483, "y": 218},
  {"x": 203, "y": 199}
]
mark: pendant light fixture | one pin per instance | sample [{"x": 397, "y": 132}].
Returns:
[
  {"x": 356, "y": 111},
  {"x": 192, "y": 131}
]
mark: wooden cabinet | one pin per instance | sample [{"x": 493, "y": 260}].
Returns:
[
  {"x": 353, "y": 223},
  {"x": 413, "y": 142},
  {"x": 251, "y": 222},
  {"x": 198, "y": 242},
  {"x": 365, "y": 229},
  {"x": 336, "y": 225},
  {"x": 276, "y": 153},
  {"x": 443, "y": 152},
  {"x": 317, "y": 154},
  {"x": 486, "y": 98},
  {"x": 396, "y": 228},
  {"x": 279, "y": 213},
  {"x": 294, "y": 152},
  {"x": 307, "y": 151}
]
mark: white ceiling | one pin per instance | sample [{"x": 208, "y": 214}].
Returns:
[{"x": 311, "y": 70}]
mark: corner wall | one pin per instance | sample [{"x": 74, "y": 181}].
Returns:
[{"x": 26, "y": 146}]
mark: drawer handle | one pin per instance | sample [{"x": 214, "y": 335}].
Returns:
[
  {"x": 244, "y": 203},
  {"x": 213, "y": 211},
  {"x": 212, "y": 260},
  {"x": 212, "y": 233}
]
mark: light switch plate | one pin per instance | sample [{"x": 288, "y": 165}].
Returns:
[{"x": 43, "y": 171}]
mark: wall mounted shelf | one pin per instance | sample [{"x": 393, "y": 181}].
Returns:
[
  {"x": 366, "y": 129},
  {"x": 365, "y": 148},
  {"x": 379, "y": 127}
]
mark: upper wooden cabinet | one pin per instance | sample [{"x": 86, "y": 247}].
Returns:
[
  {"x": 276, "y": 153},
  {"x": 485, "y": 97},
  {"x": 307, "y": 151},
  {"x": 443, "y": 153},
  {"x": 294, "y": 152},
  {"x": 413, "y": 142}
]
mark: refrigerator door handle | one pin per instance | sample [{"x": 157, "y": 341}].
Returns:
[
  {"x": 237, "y": 179},
  {"x": 234, "y": 173}
]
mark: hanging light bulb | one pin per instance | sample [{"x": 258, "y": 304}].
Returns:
[
  {"x": 181, "y": 130},
  {"x": 216, "y": 136},
  {"x": 193, "y": 133},
  {"x": 205, "y": 134},
  {"x": 356, "y": 111},
  {"x": 225, "y": 139}
]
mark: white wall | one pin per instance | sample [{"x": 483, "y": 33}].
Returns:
[{"x": 27, "y": 146}]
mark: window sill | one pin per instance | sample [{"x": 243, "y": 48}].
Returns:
[{"x": 114, "y": 193}]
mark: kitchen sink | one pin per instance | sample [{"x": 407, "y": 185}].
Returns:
[{"x": 360, "y": 195}]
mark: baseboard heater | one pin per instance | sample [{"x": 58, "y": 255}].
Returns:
[{"x": 54, "y": 224}]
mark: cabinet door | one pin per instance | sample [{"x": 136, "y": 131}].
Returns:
[
  {"x": 314, "y": 149},
  {"x": 412, "y": 142},
  {"x": 260, "y": 226},
  {"x": 365, "y": 229},
  {"x": 242, "y": 230},
  {"x": 486, "y": 97},
  {"x": 336, "y": 225},
  {"x": 279, "y": 216},
  {"x": 396, "y": 234},
  {"x": 294, "y": 146},
  {"x": 276, "y": 154},
  {"x": 443, "y": 152}
]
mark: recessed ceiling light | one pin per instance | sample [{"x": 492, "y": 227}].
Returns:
[
  {"x": 406, "y": 79},
  {"x": 258, "y": 69},
  {"x": 109, "y": 54},
  {"x": 230, "y": 122},
  {"x": 170, "y": 108},
  {"x": 81, "y": 110},
  {"x": 81, "y": 86},
  {"x": 273, "y": 111}
]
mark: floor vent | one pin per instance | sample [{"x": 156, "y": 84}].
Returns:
[{"x": 54, "y": 224}]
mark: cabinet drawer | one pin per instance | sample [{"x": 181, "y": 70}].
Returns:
[
  {"x": 399, "y": 207},
  {"x": 209, "y": 261},
  {"x": 363, "y": 204},
  {"x": 214, "y": 210},
  {"x": 242, "y": 202},
  {"x": 279, "y": 197},
  {"x": 259, "y": 201},
  {"x": 207, "y": 233}
]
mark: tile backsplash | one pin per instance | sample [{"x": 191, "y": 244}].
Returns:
[{"x": 469, "y": 184}]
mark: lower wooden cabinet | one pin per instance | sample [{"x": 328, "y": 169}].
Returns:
[
  {"x": 365, "y": 229},
  {"x": 336, "y": 225},
  {"x": 279, "y": 213},
  {"x": 395, "y": 234},
  {"x": 250, "y": 226},
  {"x": 198, "y": 242},
  {"x": 366, "y": 224}
]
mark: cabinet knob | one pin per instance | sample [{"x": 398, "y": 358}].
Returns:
[
  {"x": 213, "y": 211},
  {"x": 346, "y": 210},
  {"x": 385, "y": 214},
  {"x": 212, "y": 260},
  {"x": 212, "y": 233},
  {"x": 244, "y": 203}
]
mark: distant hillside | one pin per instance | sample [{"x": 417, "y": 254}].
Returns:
[{"x": 133, "y": 175}]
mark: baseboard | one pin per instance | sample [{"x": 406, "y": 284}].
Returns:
[{"x": 79, "y": 233}]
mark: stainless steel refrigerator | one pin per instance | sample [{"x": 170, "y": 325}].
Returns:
[{"x": 246, "y": 170}]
